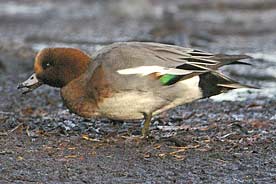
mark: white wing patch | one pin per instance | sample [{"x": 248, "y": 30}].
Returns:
[{"x": 146, "y": 70}]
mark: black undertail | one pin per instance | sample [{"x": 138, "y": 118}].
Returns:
[{"x": 215, "y": 83}]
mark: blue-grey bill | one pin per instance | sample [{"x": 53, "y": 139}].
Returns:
[{"x": 30, "y": 84}]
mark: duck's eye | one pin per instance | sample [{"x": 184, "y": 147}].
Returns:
[{"x": 46, "y": 65}]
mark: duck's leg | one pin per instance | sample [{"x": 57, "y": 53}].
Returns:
[{"x": 145, "y": 129}]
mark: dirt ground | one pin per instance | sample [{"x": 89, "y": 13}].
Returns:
[{"x": 208, "y": 141}]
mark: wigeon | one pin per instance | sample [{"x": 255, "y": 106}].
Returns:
[{"x": 131, "y": 80}]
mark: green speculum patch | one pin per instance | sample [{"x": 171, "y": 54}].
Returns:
[{"x": 168, "y": 79}]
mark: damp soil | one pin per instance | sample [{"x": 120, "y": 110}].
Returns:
[{"x": 206, "y": 141}]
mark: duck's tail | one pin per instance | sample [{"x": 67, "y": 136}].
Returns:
[{"x": 214, "y": 83}]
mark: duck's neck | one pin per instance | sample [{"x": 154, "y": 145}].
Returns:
[{"x": 77, "y": 100}]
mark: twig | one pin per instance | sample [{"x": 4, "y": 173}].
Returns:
[
  {"x": 6, "y": 113},
  {"x": 15, "y": 128},
  {"x": 27, "y": 132},
  {"x": 3, "y": 133}
]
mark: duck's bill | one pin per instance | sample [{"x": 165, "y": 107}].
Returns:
[{"x": 30, "y": 84}]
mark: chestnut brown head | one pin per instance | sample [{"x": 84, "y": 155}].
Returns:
[{"x": 56, "y": 67}]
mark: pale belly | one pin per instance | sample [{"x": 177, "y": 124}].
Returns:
[{"x": 130, "y": 105}]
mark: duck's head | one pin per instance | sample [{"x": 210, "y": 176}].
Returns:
[{"x": 56, "y": 67}]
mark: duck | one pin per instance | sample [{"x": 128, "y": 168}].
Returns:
[{"x": 131, "y": 80}]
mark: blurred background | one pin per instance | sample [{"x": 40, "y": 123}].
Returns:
[{"x": 36, "y": 130}]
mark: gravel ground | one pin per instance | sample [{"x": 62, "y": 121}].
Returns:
[{"x": 208, "y": 141}]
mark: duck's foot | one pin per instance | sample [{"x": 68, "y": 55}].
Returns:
[{"x": 145, "y": 129}]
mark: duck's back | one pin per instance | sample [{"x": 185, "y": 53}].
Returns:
[
  {"x": 132, "y": 94},
  {"x": 132, "y": 78}
]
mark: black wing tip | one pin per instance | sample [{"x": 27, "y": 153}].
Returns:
[
  {"x": 241, "y": 63},
  {"x": 243, "y": 56},
  {"x": 232, "y": 57}
]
